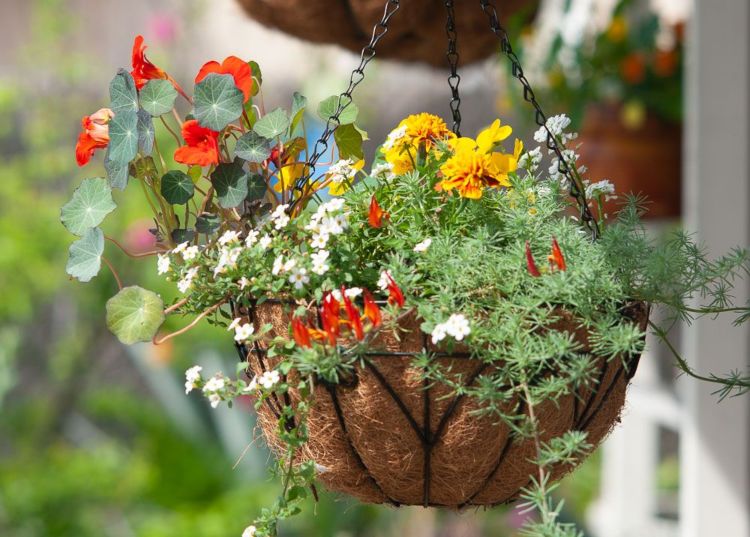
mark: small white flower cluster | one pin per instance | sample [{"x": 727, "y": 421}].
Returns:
[
  {"x": 384, "y": 280},
  {"x": 423, "y": 246},
  {"x": 187, "y": 280},
  {"x": 249, "y": 531},
  {"x": 457, "y": 326},
  {"x": 279, "y": 217},
  {"x": 383, "y": 170},
  {"x": 556, "y": 125},
  {"x": 242, "y": 331},
  {"x": 531, "y": 160},
  {"x": 228, "y": 258},
  {"x": 603, "y": 187},
  {"x": 342, "y": 171},
  {"x": 214, "y": 389},
  {"x": 192, "y": 378},
  {"x": 267, "y": 380},
  {"x": 319, "y": 262},
  {"x": 352, "y": 292},
  {"x": 280, "y": 266},
  {"x": 163, "y": 263},
  {"x": 394, "y": 137}
]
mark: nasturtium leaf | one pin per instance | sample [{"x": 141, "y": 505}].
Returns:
[
  {"x": 146, "y": 132},
  {"x": 177, "y": 187},
  {"x": 135, "y": 314},
  {"x": 349, "y": 142},
  {"x": 230, "y": 183},
  {"x": 328, "y": 107},
  {"x": 85, "y": 255},
  {"x": 91, "y": 202},
  {"x": 117, "y": 174},
  {"x": 257, "y": 75},
  {"x": 256, "y": 187},
  {"x": 158, "y": 96},
  {"x": 299, "y": 104},
  {"x": 144, "y": 167},
  {"x": 123, "y": 137},
  {"x": 122, "y": 93},
  {"x": 207, "y": 223},
  {"x": 273, "y": 124},
  {"x": 253, "y": 148},
  {"x": 195, "y": 173},
  {"x": 217, "y": 101},
  {"x": 183, "y": 235}
]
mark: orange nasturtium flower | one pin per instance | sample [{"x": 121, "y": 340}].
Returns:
[
  {"x": 95, "y": 135},
  {"x": 144, "y": 70},
  {"x": 376, "y": 214},
  {"x": 202, "y": 145},
  {"x": 239, "y": 69}
]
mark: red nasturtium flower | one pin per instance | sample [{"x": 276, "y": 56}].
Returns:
[
  {"x": 395, "y": 295},
  {"x": 556, "y": 259},
  {"x": 301, "y": 333},
  {"x": 144, "y": 70},
  {"x": 202, "y": 145},
  {"x": 239, "y": 69},
  {"x": 530, "y": 263},
  {"x": 95, "y": 135},
  {"x": 377, "y": 215}
]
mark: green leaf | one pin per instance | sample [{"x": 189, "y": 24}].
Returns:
[
  {"x": 122, "y": 93},
  {"x": 273, "y": 124},
  {"x": 183, "y": 235},
  {"x": 299, "y": 104},
  {"x": 144, "y": 167},
  {"x": 134, "y": 314},
  {"x": 257, "y": 75},
  {"x": 207, "y": 223},
  {"x": 177, "y": 187},
  {"x": 253, "y": 148},
  {"x": 146, "y": 132},
  {"x": 123, "y": 137},
  {"x": 117, "y": 174},
  {"x": 328, "y": 107},
  {"x": 91, "y": 202},
  {"x": 218, "y": 102},
  {"x": 256, "y": 187},
  {"x": 349, "y": 142},
  {"x": 85, "y": 255},
  {"x": 157, "y": 97},
  {"x": 230, "y": 183}
]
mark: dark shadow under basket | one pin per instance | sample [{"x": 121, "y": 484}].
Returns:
[{"x": 388, "y": 438}]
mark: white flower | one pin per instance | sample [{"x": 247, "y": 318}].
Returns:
[
  {"x": 342, "y": 171},
  {"x": 438, "y": 333},
  {"x": 244, "y": 282},
  {"x": 162, "y": 264},
  {"x": 265, "y": 241},
  {"x": 234, "y": 324},
  {"x": 243, "y": 332},
  {"x": 531, "y": 159},
  {"x": 252, "y": 238},
  {"x": 227, "y": 259},
  {"x": 385, "y": 279},
  {"x": 319, "y": 259},
  {"x": 394, "y": 137},
  {"x": 384, "y": 169},
  {"x": 299, "y": 278},
  {"x": 229, "y": 237},
  {"x": 249, "y": 531},
  {"x": 289, "y": 264},
  {"x": 269, "y": 379},
  {"x": 320, "y": 268},
  {"x": 457, "y": 326},
  {"x": 214, "y": 399},
  {"x": 250, "y": 388},
  {"x": 353, "y": 292},
  {"x": 184, "y": 284},
  {"x": 319, "y": 240},
  {"x": 278, "y": 265},
  {"x": 192, "y": 376},
  {"x": 279, "y": 217},
  {"x": 191, "y": 253},
  {"x": 423, "y": 246},
  {"x": 180, "y": 247},
  {"x": 555, "y": 124},
  {"x": 215, "y": 384},
  {"x": 604, "y": 187},
  {"x": 336, "y": 204}
]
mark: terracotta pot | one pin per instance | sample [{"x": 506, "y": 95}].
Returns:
[
  {"x": 416, "y": 32},
  {"x": 383, "y": 436},
  {"x": 646, "y": 160}
]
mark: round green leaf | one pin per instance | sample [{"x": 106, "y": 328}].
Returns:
[
  {"x": 157, "y": 97},
  {"x": 207, "y": 223},
  {"x": 122, "y": 93},
  {"x": 256, "y": 189},
  {"x": 230, "y": 183},
  {"x": 85, "y": 255},
  {"x": 177, "y": 187},
  {"x": 273, "y": 124},
  {"x": 217, "y": 101},
  {"x": 146, "y": 132},
  {"x": 123, "y": 137},
  {"x": 134, "y": 314},
  {"x": 328, "y": 107},
  {"x": 349, "y": 142},
  {"x": 91, "y": 202},
  {"x": 117, "y": 174},
  {"x": 253, "y": 148}
]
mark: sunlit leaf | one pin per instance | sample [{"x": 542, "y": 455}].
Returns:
[
  {"x": 273, "y": 124},
  {"x": 299, "y": 104},
  {"x": 349, "y": 142},
  {"x": 253, "y": 148},
  {"x": 328, "y": 107},
  {"x": 217, "y": 101},
  {"x": 177, "y": 187},
  {"x": 157, "y": 97},
  {"x": 85, "y": 255},
  {"x": 91, "y": 202},
  {"x": 134, "y": 314}
]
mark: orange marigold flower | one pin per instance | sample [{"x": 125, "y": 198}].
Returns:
[
  {"x": 239, "y": 69},
  {"x": 556, "y": 259},
  {"x": 301, "y": 333},
  {"x": 376, "y": 214},
  {"x": 144, "y": 70},
  {"x": 95, "y": 135},
  {"x": 202, "y": 145},
  {"x": 530, "y": 263}
]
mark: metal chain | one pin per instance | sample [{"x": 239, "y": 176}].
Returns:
[
  {"x": 577, "y": 189},
  {"x": 345, "y": 99},
  {"x": 454, "y": 79}
]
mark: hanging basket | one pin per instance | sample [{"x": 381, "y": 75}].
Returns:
[
  {"x": 385, "y": 436},
  {"x": 416, "y": 35}
]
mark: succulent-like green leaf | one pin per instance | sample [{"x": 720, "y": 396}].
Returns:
[
  {"x": 177, "y": 187},
  {"x": 135, "y": 314},
  {"x": 91, "y": 202},
  {"x": 253, "y": 148},
  {"x": 123, "y": 137},
  {"x": 146, "y": 132},
  {"x": 349, "y": 142},
  {"x": 117, "y": 174},
  {"x": 230, "y": 183},
  {"x": 157, "y": 97},
  {"x": 217, "y": 101},
  {"x": 122, "y": 93},
  {"x": 273, "y": 124},
  {"x": 328, "y": 107},
  {"x": 85, "y": 255},
  {"x": 207, "y": 223}
]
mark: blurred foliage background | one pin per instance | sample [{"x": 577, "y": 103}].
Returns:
[{"x": 96, "y": 439}]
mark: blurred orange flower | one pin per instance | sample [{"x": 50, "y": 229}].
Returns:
[
  {"x": 144, "y": 70},
  {"x": 95, "y": 135},
  {"x": 202, "y": 145}
]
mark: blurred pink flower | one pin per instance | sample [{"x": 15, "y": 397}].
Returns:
[
  {"x": 163, "y": 27},
  {"x": 138, "y": 238}
]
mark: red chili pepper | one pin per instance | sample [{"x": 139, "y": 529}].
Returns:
[{"x": 530, "y": 263}]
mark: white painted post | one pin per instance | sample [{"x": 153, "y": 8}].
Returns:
[{"x": 715, "y": 457}]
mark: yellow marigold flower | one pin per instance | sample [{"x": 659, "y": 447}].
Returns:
[
  {"x": 402, "y": 159},
  {"x": 504, "y": 163},
  {"x": 414, "y": 132},
  {"x": 490, "y": 137}
]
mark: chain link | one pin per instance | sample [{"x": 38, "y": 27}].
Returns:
[
  {"x": 345, "y": 99},
  {"x": 577, "y": 189},
  {"x": 452, "y": 54}
]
